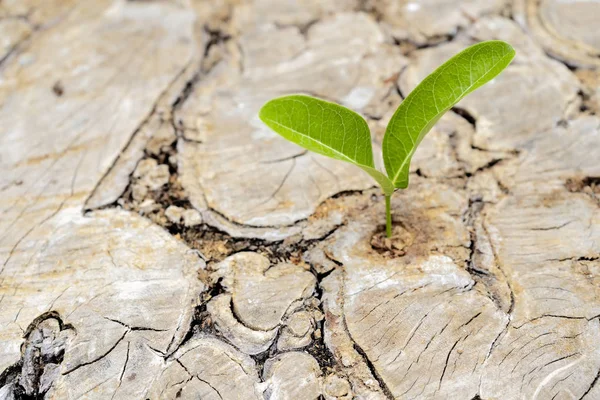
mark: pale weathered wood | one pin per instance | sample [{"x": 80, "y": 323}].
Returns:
[
  {"x": 72, "y": 93},
  {"x": 564, "y": 29},
  {"x": 158, "y": 242},
  {"x": 125, "y": 286},
  {"x": 237, "y": 171},
  {"x": 431, "y": 21}
]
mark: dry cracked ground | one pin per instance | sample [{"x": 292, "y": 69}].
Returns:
[{"x": 158, "y": 242}]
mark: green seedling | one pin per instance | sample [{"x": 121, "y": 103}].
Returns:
[{"x": 337, "y": 132}]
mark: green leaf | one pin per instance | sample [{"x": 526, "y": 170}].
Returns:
[
  {"x": 325, "y": 128},
  {"x": 436, "y": 94}
]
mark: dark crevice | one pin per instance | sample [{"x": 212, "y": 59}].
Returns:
[
  {"x": 135, "y": 328},
  {"x": 213, "y": 243},
  {"x": 282, "y": 159},
  {"x": 302, "y": 28},
  {"x": 382, "y": 384},
  {"x": 504, "y": 274},
  {"x": 216, "y": 37},
  {"x": 491, "y": 164},
  {"x": 397, "y": 87},
  {"x": 555, "y": 316},
  {"x": 201, "y": 320},
  {"x": 145, "y": 121},
  {"x": 372, "y": 117},
  {"x": 471, "y": 319},
  {"x": 42, "y": 352},
  {"x": 567, "y": 63},
  {"x": 584, "y": 99},
  {"x": 552, "y": 228},
  {"x": 368, "y": 7},
  {"x": 592, "y": 385},
  {"x": 210, "y": 241},
  {"x": 9, "y": 53},
  {"x": 209, "y": 385},
  {"x": 11, "y": 374},
  {"x": 100, "y": 357},
  {"x": 580, "y": 184},
  {"x": 320, "y": 277},
  {"x": 261, "y": 359},
  {"x": 409, "y": 46},
  {"x": 474, "y": 208},
  {"x": 467, "y": 116},
  {"x": 497, "y": 339},
  {"x": 318, "y": 349},
  {"x": 446, "y": 363},
  {"x": 333, "y": 260}
]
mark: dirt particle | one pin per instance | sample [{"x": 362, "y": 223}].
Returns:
[
  {"x": 58, "y": 88},
  {"x": 394, "y": 246},
  {"x": 589, "y": 184}
]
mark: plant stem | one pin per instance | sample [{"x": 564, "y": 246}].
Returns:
[{"x": 388, "y": 216}]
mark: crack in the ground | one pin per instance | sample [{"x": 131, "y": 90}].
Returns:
[
  {"x": 100, "y": 357},
  {"x": 153, "y": 113},
  {"x": 355, "y": 346},
  {"x": 466, "y": 115},
  {"x": 41, "y": 354},
  {"x": 318, "y": 349},
  {"x": 215, "y": 245},
  {"x": 591, "y": 386},
  {"x": 588, "y": 185},
  {"x": 373, "y": 370},
  {"x": 215, "y": 37}
]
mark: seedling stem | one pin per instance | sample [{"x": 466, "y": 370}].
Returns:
[{"x": 388, "y": 216}]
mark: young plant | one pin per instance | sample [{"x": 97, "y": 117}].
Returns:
[{"x": 337, "y": 132}]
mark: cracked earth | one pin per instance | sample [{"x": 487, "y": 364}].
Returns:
[{"x": 158, "y": 242}]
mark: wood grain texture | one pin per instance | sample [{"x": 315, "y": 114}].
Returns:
[{"x": 157, "y": 242}]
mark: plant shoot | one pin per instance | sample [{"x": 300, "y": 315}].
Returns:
[{"x": 335, "y": 131}]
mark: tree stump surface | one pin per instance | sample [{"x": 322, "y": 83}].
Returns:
[{"x": 157, "y": 241}]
